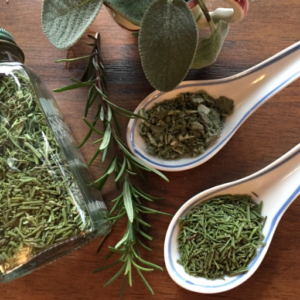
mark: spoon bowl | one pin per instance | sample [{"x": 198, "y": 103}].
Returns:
[
  {"x": 277, "y": 186},
  {"x": 249, "y": 90}
]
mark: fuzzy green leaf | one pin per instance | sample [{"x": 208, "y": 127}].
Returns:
[
  {"x": 131, "y": 10},
  {"x": 65, "y": 21},
  {"x": 167, "y": 43},
  {"x": 209, "y": 47}
]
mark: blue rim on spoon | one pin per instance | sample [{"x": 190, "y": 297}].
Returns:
[
  {"x": 178, "y": 165},
  {"x": 275, "y": 220}
]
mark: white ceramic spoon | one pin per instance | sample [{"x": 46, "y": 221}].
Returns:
[
  {"x": 277, "y": 185},
  {"x": 249, "y": 90}
]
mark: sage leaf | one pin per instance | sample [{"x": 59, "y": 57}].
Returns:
[
  {"x": 167, "y": 42},
  {"x": 128, "y": 201},
  {"x": 209, "y": 47},
  {"x": 65, "y": 21},
  {"x": 131, "y": 10}
]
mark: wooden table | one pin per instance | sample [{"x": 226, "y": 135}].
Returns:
[{"x": 269, "y": 27}]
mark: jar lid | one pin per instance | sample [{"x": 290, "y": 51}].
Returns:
[
  {"x": 7, "y": 39},
  {"x": 5, "y": 35}
]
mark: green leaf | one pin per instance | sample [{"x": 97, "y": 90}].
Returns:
[
  {"x": 147, "y": 210},
  {"x": 167, "y": 43},
  {"x": 112, "y": 166},
  {"x": 145, "y": 235},
  {"x": 102, "y": 182},
  {"x": 123, "y": 239},
  {"x": 69, "y": 87},
  {"x": 91, "y": 126},
  {"x": 123, "y": 285},
  {"x": 140, "y": 164},
  {"x": 209, "y": 47},
  {"x": 121, "y": 172},
  {"x": 102, "y": 114},
  {"x": 131, "y": 232},
  {"x": 94, "y": 157},
  {"x": 116, "y": 276},
  {"x": 128, "y": 201},
  {"x": 143, "y": 245},
  {"x": 107, "y": 267},
  {"x": 109, "y": 114},
  {"x": 114, "y": 250},
  {"x": 147, "y": 263},
  {"x": 145, "y": 195},
  {"x": 74, "y": 59},
  {"x": 118, "y": 216},
  {"x": 126, "y": 112},
  {"x": 104, "y": 153},
  {"x": 141, "y": 221},
  {"x": 65, "y": 21},
  {"x": 106, "y": 138},
  {"x": 108, "y": 171},
  {"x": 141, "y": 268},
  {"x": 131, "y": 10},
  {"x": 145, "y": 281}
]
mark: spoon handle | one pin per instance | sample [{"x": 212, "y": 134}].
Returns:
[
  {"x": 264, "y": 80},
  {"x": 280, "y": 182}
]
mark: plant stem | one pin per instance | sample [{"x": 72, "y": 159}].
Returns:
[
  {"x": 207, "y": 15},
  {"x": 123, "y": 164}
]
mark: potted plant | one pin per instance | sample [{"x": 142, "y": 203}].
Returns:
[{"x": 168, "y": 39}]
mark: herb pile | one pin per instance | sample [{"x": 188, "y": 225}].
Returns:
[
  {"x": 220, "y": 236},
  {"x": 184, "y": 126},
  {"x": 123, "y": 165},
  {"x": 168, "y": 40},
  {"x": 37, "y": 208}
]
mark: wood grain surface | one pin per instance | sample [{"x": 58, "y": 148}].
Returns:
[{"x": 269, "y": 27}]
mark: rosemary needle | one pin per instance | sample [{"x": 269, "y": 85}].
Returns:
[
  {"x": 220, "y": 236},
  {"x": 123, "y": 165}
]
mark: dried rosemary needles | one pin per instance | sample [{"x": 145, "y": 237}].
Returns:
[
  {"x": 221, "y": 236},
  {"x": 184, "y": 126},
  {"x": 37, "y": 189}
]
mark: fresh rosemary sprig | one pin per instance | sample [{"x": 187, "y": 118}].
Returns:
[{"x": 122, "y": 164}]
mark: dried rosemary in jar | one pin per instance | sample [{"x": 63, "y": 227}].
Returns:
[
  {"x": 47, "y": 206},
  {"x": 184, "y": 126},
  {"x": 220, "y": 236}
]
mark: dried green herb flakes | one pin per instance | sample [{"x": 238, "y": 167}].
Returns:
[
  {"x": 37, "y": 189},
  {"x": 184, "y": 126},
  {"x": 221, "y": 236}
]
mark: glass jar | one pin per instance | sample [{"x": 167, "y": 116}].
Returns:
[{"x": 48, "y": 206}]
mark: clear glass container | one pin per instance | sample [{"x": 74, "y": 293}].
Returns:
[{"x": 48, "y": 205}]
